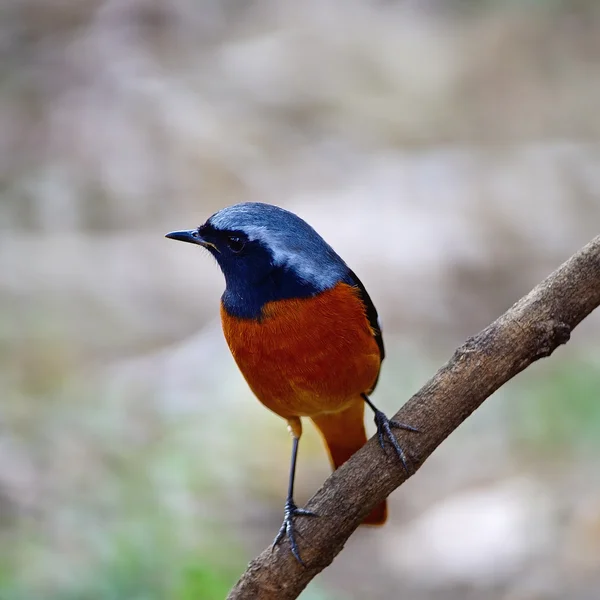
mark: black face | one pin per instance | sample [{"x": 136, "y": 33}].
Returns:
[
  {"x": 220, "y": 242},
  {"x": 243, "y": 261}
]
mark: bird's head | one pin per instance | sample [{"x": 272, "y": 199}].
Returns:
[{"x": 266, "y": 253}]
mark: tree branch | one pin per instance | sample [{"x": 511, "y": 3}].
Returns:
[{"x": 531, "y": 329}]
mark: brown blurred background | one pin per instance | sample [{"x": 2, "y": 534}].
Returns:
[{"x": 447, "y": 149}]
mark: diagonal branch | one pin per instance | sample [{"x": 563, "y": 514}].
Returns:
[{"x": 531, "y": 329}]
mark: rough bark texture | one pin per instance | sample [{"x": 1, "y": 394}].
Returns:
[{"x": 531, "y": 329}]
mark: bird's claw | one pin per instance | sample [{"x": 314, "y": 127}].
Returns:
[
  {"x": 384, "y": 428},
  {"x": 287, "y": 527}
]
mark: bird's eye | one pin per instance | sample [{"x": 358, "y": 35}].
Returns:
[{"x": 235, "y": 243}]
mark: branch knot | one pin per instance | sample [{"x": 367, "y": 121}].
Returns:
[{"x": 552, "y": 334}]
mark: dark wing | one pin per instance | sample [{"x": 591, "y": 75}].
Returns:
[{"x": 371, "y": 310}]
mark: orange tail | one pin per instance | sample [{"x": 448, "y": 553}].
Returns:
[{"x": 344, "y": 433}]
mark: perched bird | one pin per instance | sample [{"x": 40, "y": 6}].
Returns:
[{"x": 302, "y": 330}]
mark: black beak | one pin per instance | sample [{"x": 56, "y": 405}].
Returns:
[{"x": 191, "y": 236}]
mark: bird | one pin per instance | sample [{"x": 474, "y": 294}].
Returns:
[{"x": 303, "y": 331}]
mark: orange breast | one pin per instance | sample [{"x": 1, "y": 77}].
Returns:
[{"x": 306, "y": 356}]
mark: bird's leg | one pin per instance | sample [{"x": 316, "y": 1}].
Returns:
[
  {"x": 291, "y": 510},
  {"x": 384, "y": 428}
]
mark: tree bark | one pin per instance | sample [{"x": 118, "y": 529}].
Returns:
[{"x": 531, "y": 329}]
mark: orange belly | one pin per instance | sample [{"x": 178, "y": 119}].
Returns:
[{"x": 306, "y": 356}]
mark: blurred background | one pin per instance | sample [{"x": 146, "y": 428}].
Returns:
[{"x": 447, "y": 149}]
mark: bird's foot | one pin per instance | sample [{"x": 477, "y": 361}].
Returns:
[
  {"x": 384, "y": 428},
  {"x": 287, "y": 527}
]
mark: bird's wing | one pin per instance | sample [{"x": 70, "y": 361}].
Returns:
[{"x": 371, "y": 311}]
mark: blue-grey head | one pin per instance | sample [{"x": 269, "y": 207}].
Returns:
[{"x": 266, "y": 253}]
